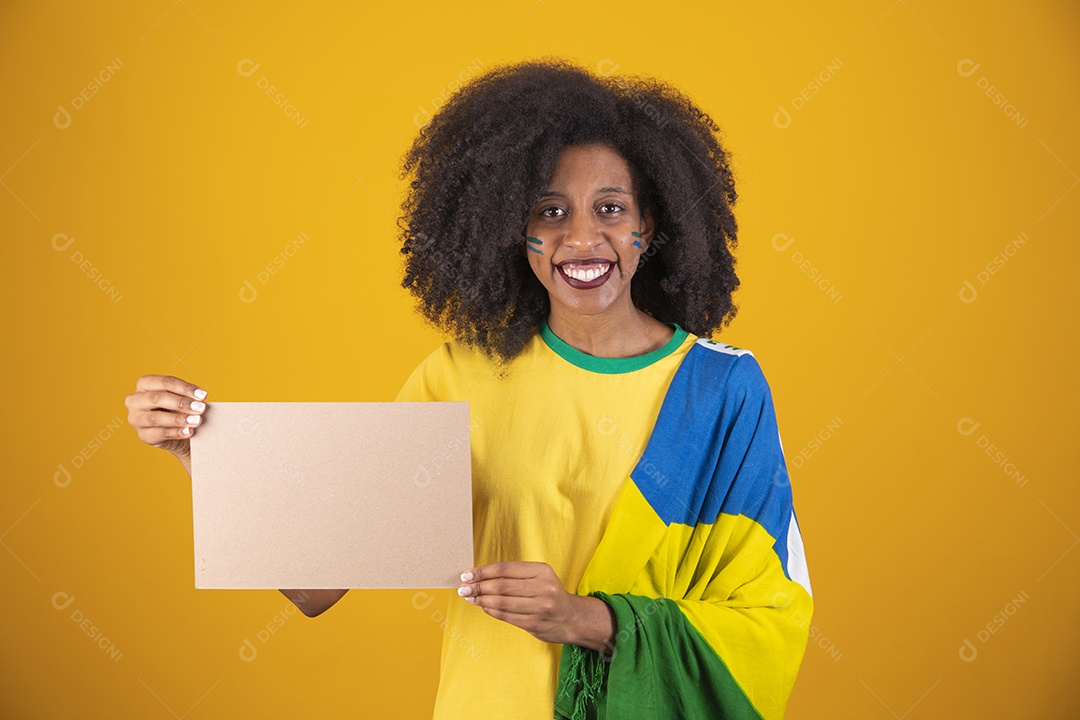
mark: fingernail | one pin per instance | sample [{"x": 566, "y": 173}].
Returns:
[
  {"x": 185, "y": 431},
  {"x": 463, "y": 591},
  {"x": 193, "y": 419},
  {"x": 198, "y": 406},
  {"x": 466, "y": 576},
  {"x": 201, "y": 394}
]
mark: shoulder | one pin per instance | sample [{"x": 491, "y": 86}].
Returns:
[
  {"x": 717, "y": 346},
  {"x": 427, "y": 378},
  {"x": 451, "y": 355},
  {"x": 449, "y": 367},
  {"x": 725, "y": 368}
]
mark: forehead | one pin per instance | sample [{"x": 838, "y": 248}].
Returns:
[{"x": 592, "y": 162}]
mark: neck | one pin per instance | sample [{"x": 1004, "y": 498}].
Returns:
[{"x": 626, "y": 332}]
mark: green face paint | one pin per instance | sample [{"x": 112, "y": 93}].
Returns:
[
  {"x": 636, "y": 243},
  {"x": 534, "y": 241}
]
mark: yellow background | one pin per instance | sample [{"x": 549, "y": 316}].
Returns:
[{"x": 894, "y": 176}]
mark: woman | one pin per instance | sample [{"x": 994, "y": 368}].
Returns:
[{"x": 637, "y": 548}]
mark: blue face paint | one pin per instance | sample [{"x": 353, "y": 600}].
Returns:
[
  {"x": 537, "y": 241},
  {"x": 637, "y": 244}
]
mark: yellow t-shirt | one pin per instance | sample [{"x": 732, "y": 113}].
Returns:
[{"x": 552, "y": 443}]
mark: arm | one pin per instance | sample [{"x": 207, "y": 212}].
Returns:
[
  {"x": 310, "y": 602},
  {"x": 314, "y": 602},
  {"x": 594, "y": 625},
  {"x": 166, "y": 411},
  {"x": 185, "y": 460}
]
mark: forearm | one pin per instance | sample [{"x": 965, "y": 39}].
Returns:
[
  {"x": 185, "y": 460},
  {"x": 594, "y": 627},
  {"x": 313, "y": 602},
  {"x": 310, "y": 602}
]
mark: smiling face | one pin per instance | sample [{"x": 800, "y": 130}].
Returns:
[{"x": 586, "y": 233}]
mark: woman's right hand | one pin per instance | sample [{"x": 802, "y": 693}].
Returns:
[
  {"x": 166, "y": 411},
  {"x": 161, "y": 410}
]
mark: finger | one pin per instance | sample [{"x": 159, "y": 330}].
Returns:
[
  {"x": 510, "y": 587},
  {"x": 163, "y": 419},
  {"x": 164, "y": 400},
  {"x": 513, "y": 605},
  {"x": 510, "y": 569},
  {"x": 155, "y": 436},
  {"x": 169, "y": 383}
]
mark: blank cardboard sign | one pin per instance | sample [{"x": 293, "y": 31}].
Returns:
[{"x": 320, "y": 495}]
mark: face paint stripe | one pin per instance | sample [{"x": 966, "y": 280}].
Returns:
[
  {"x": 635, "y": 234},
  {"x": 534, "y": 249},
  {"x": 536, "y": 241},
  {"x": 637, "y": 244}
]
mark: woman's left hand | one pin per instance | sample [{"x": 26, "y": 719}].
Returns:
[{"x": 530, "y": 596}]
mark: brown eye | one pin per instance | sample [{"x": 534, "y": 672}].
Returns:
[{"x": 617, "y": 206}]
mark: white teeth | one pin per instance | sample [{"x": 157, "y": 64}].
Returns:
[{"x": 585, "y": 273}]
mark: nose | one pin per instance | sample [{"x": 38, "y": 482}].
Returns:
[{"x": 583, "y": 232}]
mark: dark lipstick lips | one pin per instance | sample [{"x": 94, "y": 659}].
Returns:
[{"x": 588, "y": 284}]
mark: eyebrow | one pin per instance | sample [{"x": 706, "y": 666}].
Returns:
[{"x": 610, "y": 188}]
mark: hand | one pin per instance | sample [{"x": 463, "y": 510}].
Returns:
[
  {"x": 165, "y": 411},
  {"x": 530, "y": 596}
]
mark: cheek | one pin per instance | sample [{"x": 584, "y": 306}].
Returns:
[{"x": 539, "y": 264}]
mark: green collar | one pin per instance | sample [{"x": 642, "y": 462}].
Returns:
[{"x": 605, "y": 365}]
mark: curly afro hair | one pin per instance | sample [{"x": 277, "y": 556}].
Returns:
[{"x": 480, "y": 163}]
